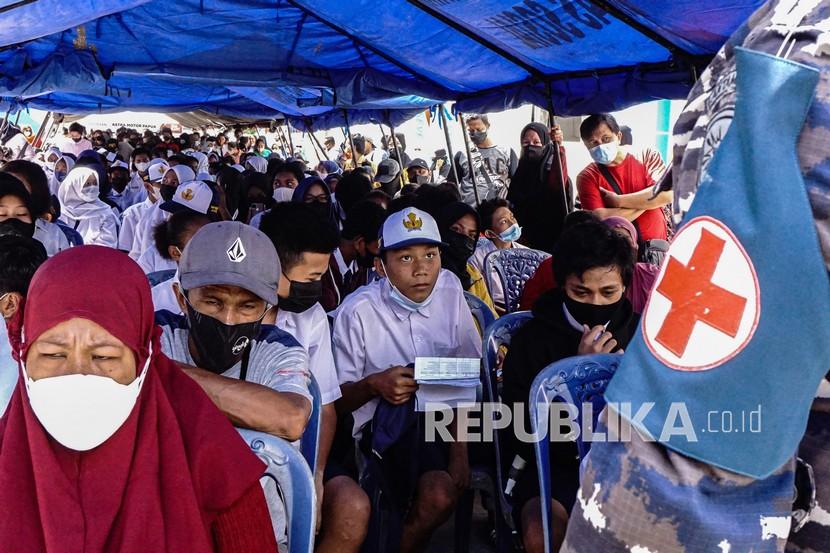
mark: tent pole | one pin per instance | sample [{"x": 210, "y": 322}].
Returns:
[
  {"x": 449, "y": 145},
  {"x": 351, "y": 142},
  {"x": 395, "y": 145},
  {"x": 313, "y": 147},
  {"x": 557, "y": 156},
  {"x": 469, "y": 158},
  {"x": 316, "y": 141},
  {"x": 290, "y": 140},
  {"x": 41, "y": 130}
]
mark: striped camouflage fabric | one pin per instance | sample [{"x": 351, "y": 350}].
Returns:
[
  {"x": 639, "y": 497},
  {"x": 642, "y": 498},
  {"x": 711, "y": 105}
]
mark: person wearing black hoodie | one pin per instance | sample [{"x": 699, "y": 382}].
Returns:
[
  {"x": 540, "y": 201},
  {"x": 588, "y": 314}
]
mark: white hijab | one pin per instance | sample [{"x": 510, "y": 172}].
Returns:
[
  {"x": 204, "y": 165},
  {"x": 78, "y": 202},
  {"x": 54, "y": 183},
  {"x": 258, "y": 164}
]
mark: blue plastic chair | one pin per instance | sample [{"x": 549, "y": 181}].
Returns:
[
  {"x": 574, "y": 381},
  {"x": 160, "y": 276},
  {"x": 481, "y": 311},
  {"x": 513, "y": 267},
  {"x": 310, "y": 440},
  {"x": 287, "y": 469},
  {"x": 499, "y": 334}
]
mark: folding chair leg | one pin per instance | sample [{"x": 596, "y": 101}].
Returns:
[{"x": 463, "y": 521}]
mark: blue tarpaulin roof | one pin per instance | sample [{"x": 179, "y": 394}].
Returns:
[{"x": 310, "y": 59}]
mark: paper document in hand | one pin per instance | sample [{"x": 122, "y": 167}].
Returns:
[{"x": 444, "y": 369}]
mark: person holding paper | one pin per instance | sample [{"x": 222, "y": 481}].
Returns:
[
  {"x": 416, "y": 310},
  {"x": 588, "y": 314}
]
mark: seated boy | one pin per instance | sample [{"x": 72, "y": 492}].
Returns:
[{"x": 417, "y": 309}]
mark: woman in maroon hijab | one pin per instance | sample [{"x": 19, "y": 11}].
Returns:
[{"x": 106, "y": 446}]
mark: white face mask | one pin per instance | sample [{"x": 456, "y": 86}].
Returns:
[
  {"x": 142, "y": 166},
  {"x": 83, "y": 411},
  {"x": 283, "y": 194}
]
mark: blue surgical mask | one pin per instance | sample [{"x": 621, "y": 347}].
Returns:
[
  {"x": 410, "y": 305},
  {"x": 605, "y": 154},
  {"x": 512, "y": 234}
]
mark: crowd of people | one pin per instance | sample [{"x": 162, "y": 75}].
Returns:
[{"x": 159, "y": 290}]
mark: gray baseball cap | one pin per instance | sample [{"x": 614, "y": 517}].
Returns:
[{"x": 232, "y": 254}]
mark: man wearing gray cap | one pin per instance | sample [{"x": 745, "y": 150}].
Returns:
[{"x": 257, "y": 375}]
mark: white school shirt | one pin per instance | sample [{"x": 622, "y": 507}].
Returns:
[
  {"x": 151, "y": 261},
  {"x": 164, "y": 298},
  {"x": 143, "y": 238},
  {"x": 373, "y": 333},
  {"x": 311, "y": 329},
  {"x": 129, "y": 226},
  {"x": 51, "y": 236},
  {"x": 100, "y": 230}
]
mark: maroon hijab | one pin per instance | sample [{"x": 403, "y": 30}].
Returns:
[{"x": 161, "y": 480}]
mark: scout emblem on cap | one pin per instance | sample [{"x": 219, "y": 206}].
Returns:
[
  {"x": 236, "y": 253},
  {"x": 187, "y": 195},
  {"x": 706, "y": 303},
  {"x": 412, "y": 222}
]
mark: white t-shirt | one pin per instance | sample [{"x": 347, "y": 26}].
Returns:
[
  {"x": 312, "y": 331},
  {"x": 151, "y": 261},
  {"x": 164, "y": 298}
]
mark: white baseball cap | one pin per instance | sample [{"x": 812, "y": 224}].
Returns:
[
  {"x": 196, "y": 196},
  {"x": 118, "y": 164},
  {"x": 409, "y": 227},
  {"x": 156, "y": 171}
]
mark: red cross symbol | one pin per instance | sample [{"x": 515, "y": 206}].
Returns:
[{"x": 695, "y": 297}]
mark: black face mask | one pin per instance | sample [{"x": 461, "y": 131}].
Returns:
[
  {"x": 590, "y": 314},
  {"x": 16, "y": 227},
  {"x": 461, "y": 246},
  {"x": 167, "y": 192},
  {"x": 219, "y": 346},
  {"x": 533, "y": 153},
  {"x": 302, "y": 296},
  {"x": 478, "y": 137},
  {"x": 119, "y": 184}
]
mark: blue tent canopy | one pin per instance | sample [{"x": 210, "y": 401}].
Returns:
[{"x": 311, "y": 59}]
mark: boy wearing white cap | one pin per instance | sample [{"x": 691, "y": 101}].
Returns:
[
  {"x": 124, "y": 192},
  {"x": 417, "y": 310},
  {"x": 133, "y": 215}
]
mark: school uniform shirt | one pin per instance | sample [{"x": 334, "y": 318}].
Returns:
[
  {"x": 133, "y": 194},
  {"x": 129, "y": 226},
  {"x": 312, "y": 331},
  {"x": 151, "y": 261},
  {"x": 143, "y": 238},
  {"x": 373, "y": 333},
  {"x": 51, "y": 236},
  {"x": 276, "y": 361},
  {"x": 164, "y": 298},
  {"x": 8, "y": 369},
  {"x": 483, "y": 249},
  {"x": 102, "y": 231}
]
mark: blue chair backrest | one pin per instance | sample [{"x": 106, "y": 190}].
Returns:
[
  {"x": 287, "y": 469},
  {"x": 513, "y": 267},
  {"x": 498, "y": 334},
  {"x": 310, "y": 440},
  {"x": 575, "y": 381},
  {"x": 160, "y": 276},
  {"x": 481, "y": 311}
]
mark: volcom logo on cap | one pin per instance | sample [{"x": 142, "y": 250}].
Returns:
[
  {"x": 240, "y": 345},
  {"x": 706, "y": 304},
  {"x": 237, "y": 253}
]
